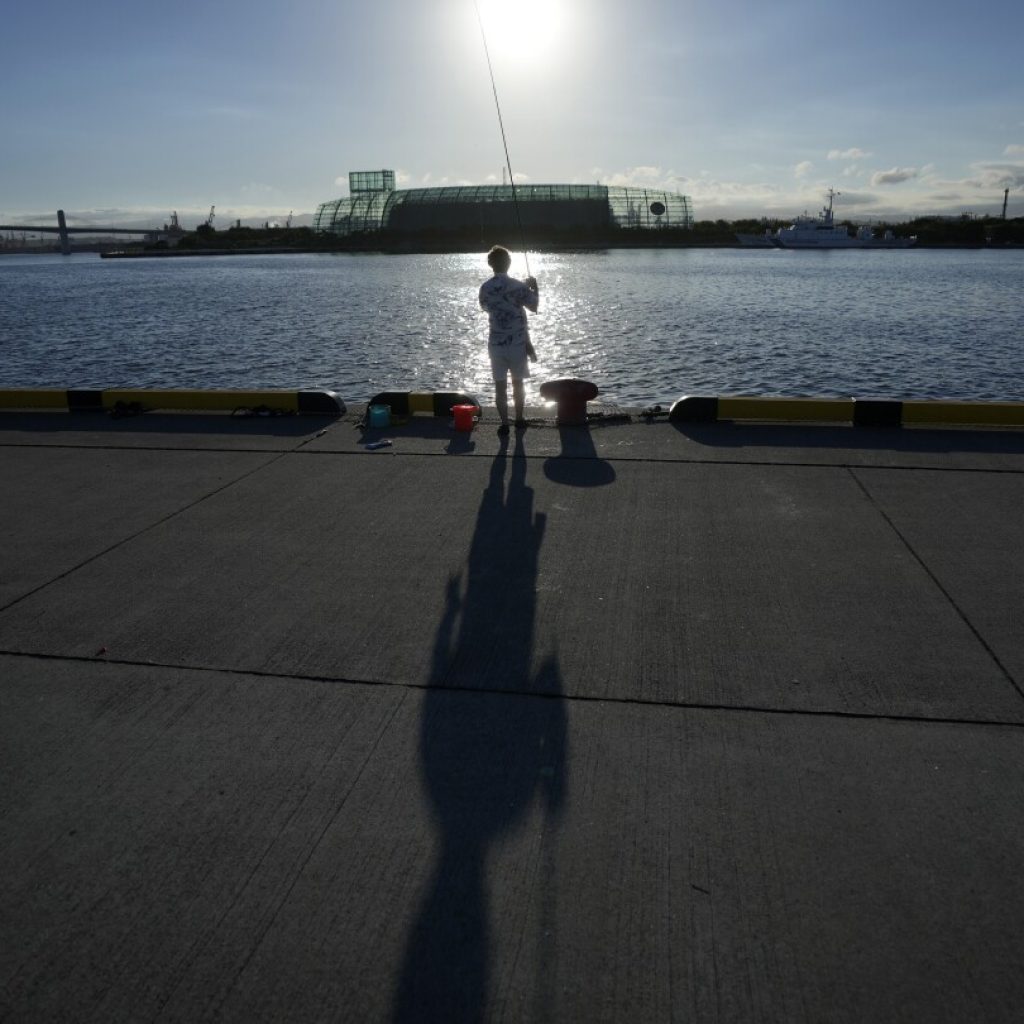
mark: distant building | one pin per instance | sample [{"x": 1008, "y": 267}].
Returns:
[{"x": 375, "y": 207}]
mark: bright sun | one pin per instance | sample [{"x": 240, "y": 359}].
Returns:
[{"x": 520, "y": 30}]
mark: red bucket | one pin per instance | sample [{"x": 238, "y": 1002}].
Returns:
[{"x": 464, "y": 416}]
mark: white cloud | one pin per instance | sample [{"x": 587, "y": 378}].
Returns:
[
  {"x": 893, "y": 176},
  {"x": 849, "y": 154},
  {"x": 257, "y": 190},
  {"x": 997, "y": 176},
  {"x": 1013, "y": 150},
  {"x": 647, "y": 173},
  {"x": 636, "y": 177},
  {"x": 982, "y": 192},
  {"x": 848, "y": 199},
  {"x": 852, "y": 171},
  {"x": 712, "y": 195},
  {"x": 987, "y": 177},
  {"x": 803, "y": 168},
  {"x": 705, "y": 187}
]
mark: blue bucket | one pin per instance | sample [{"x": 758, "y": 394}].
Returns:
[{"x": 380, "y": 415}]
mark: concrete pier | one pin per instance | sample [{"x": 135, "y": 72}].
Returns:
[{"x": 634, "y": 722}]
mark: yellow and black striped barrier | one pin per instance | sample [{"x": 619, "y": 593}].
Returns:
[
  {"x": 996, "y": 414},
  {"x": 872, "y": 412},
  {"x": 35, "y": 399},
  {"x": 138, "y": 400}
]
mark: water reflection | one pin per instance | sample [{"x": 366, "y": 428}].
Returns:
[{"x": 645, "y": 325}]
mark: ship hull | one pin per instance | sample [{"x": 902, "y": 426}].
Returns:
[{"x": 853, "y": 243}]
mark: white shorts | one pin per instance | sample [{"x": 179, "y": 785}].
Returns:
[{"x": 509, "y": 359}]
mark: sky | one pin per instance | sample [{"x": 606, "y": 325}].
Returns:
[{"x": 122, "y": 112}]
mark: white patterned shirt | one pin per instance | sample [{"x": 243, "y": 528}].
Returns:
[{"x": 504, "y": 299}]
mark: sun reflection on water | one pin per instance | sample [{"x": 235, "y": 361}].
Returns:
[{"x": 644, "y": 325}]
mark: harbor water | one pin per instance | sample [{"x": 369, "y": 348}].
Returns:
[{"x": 644, "y": 325}]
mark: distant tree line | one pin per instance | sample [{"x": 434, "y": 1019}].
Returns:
[{"x": 930, "y": 231}]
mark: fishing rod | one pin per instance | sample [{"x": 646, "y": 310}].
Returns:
[{"x": 504, "y": 141}]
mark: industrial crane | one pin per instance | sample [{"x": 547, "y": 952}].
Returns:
[{"x": 207, "y": 226}]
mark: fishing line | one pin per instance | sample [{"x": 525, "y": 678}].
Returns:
[{"x": 504, "y": 141}]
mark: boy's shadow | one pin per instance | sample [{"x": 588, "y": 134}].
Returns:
[{"x": 488, "y": 759}]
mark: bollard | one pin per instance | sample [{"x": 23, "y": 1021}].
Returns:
[{"x": 570, "y": 397}]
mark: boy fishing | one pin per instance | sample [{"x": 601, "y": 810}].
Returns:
[{"x": 506, "y": 300}]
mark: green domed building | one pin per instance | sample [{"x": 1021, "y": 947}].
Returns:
[{"x": 479, "y": 214}]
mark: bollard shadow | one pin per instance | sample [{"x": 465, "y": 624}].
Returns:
[
  {"x": 460, "y": 443},
  {"x": 488, "y": 760},
  {"x": 578, "y": 464}
]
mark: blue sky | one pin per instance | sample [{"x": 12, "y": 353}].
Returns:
[{"x": 125, "y": 111}]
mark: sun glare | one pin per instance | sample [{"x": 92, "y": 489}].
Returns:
[{"x": 521, "y": 30}]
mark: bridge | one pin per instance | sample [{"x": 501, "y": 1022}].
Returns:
[{"x": 61, "y": 228}]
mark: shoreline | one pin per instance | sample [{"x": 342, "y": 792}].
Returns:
[{"x": 427, "y": 251}]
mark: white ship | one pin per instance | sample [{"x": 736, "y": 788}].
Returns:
[{"x": 822, "y": 232}]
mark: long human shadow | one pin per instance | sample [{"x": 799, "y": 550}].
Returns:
[{"x": 488, "y": 760}]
